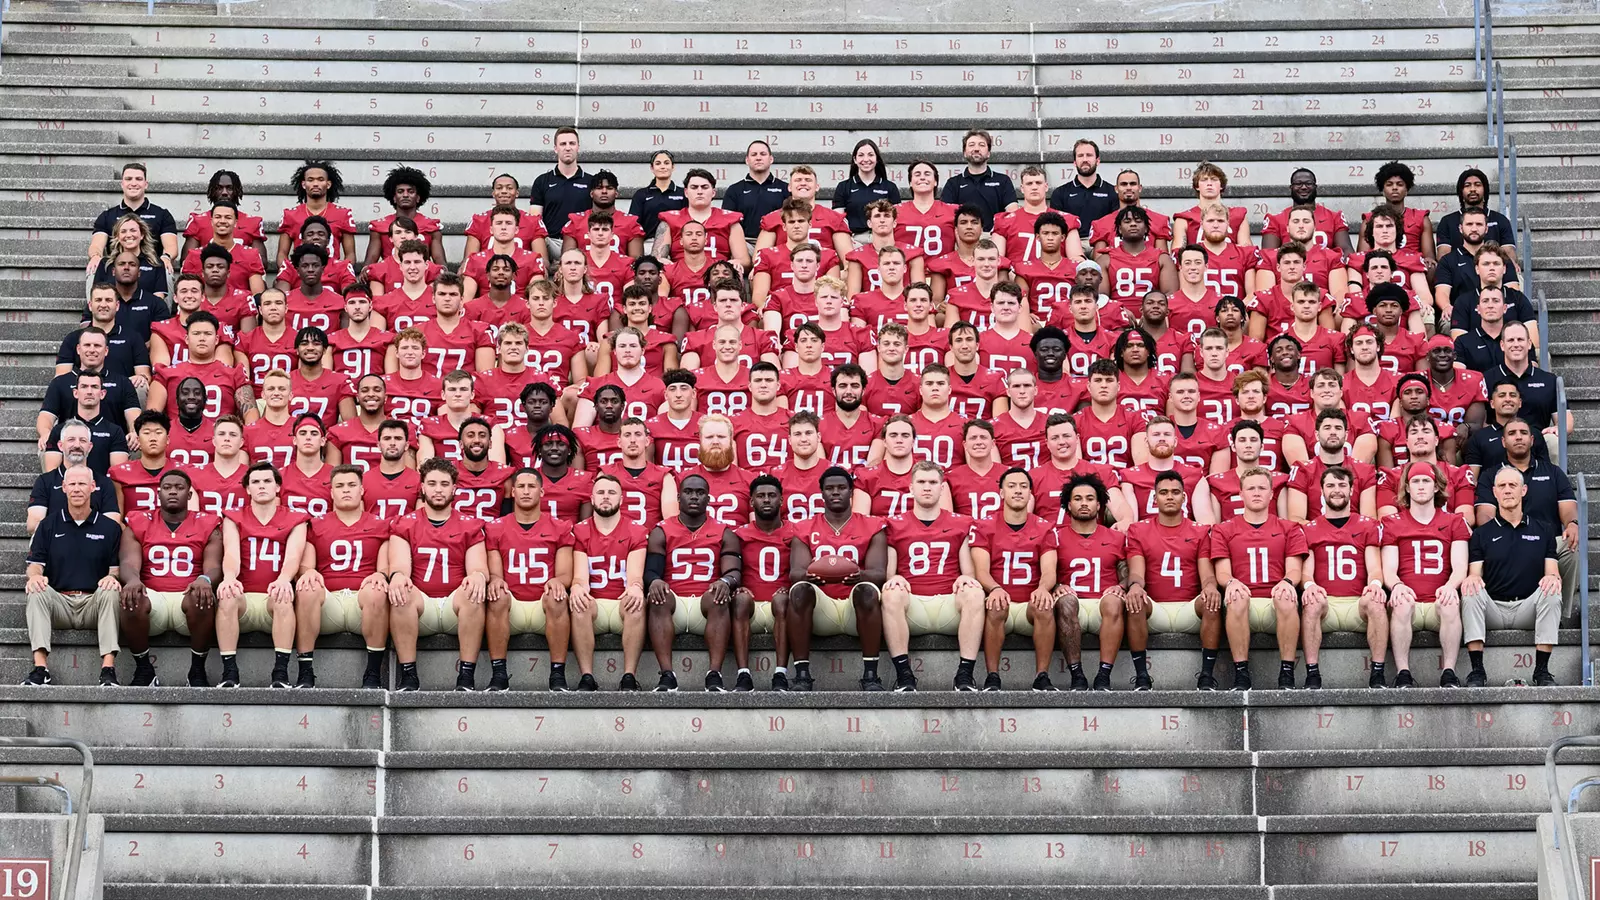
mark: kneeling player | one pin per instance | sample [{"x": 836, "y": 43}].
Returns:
[
  {"x": 1424, "y": 563},
  {"x": 1014, "y": 560},
  {"x": 170, "y": 558},
  {"x": 931, "y": 589},
  {"x": 847, "y": 600},
  {"x": 344, "y": 579},
  {"x": 261, "y": 547},
  {"x": 1172, "y": 586},
  {"x": 1258, "y": 558},
  {"x": 608, "y": 556},
  {"x": 530, "y": 568},
  {"x": 765, "y": 577},
  {"x": 438, "y": 582},
  {"x": 692, "y": 572},
  {"x": 1343, "y": 583}
]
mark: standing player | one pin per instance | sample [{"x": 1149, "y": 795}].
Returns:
[
  {"x": 852, "y": 605},
  {"x": 649, "y": 491},
  {"x": 692, "y": 571},
  {"x": 1227, "y": 487},
  {"x": 1259, "y": 559},
  {"x": 530, "y": 570},
  {"x": 170, "y": 558},
  {"x": 1110, "y": 433},
  {"x": 1424, "y": 563},
  {"x": 1172, "y": 584},
  {"x": 1343, "y": 577},
  {"x": 801, "y": 474},
  {"x": 931, "y": 589},
  {"x": 975, "y": 484},
  {"x": 885, "y": 489},
  {"x": 1138, "y": 483},
  {"x": 764, "y": 577},
  {"x": 1014, "y": 560},
  {"x": 608, "y": 558},
  {"x": 355, "y": 441},
  {"x": 261, "y": 548},
  {"x": 344, "y": 579},
  {"x": 1019, "y": 431}
]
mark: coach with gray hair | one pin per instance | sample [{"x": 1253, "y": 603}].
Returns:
[
  {"x": 72, "y": 576},
  {"x": 1512, "y": 580}
]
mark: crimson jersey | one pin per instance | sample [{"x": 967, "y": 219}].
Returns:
[
  {"x": 438, "y": 549},
  {"x": 890, "y": 491},
  {"x": 340, "y": 223},
  {"x": 221, "y": 381},
  {"x": 264, "y": 354},
  {"x": 1016, "y": 553},
  {"x": 1424, "y": 548},
  {"x": 598, "y": 447},
  {"x": 1362, "y": 400},
  {"x": 1197, "y": 443},
  {"x": 174, "y": 334},
  {"x": 877, "y": 309},
  {"x": 1088, "y": 562},
  {"x": 491, "y": 315},
  {"x": 400, "y": 311},
  {"x": 1084, "y": 347},
  {"x": 1327, "y": 223},
  {"x": 1323, "y": 349},
  {"x": 356, "y": 445},
  {"x": 641, "y": 491},
  {"x": 1049, "y": 480},
  {"x": 974, "y": 493},
  {"x": 933, "y": 232},
  {"x": 1019, "y": 444},
  {"x": 1402, "y": 352},
  {"x": 928, "y": 552},
  {"x": 624, "y": 228},
  {"x": 677, "y": 443},
  {"x": 1307, "y": 479},
  {"x": 1104, "y": 229},
  {"x": 499, "y": 393},
  {"x": 1217, "y": 403},
  {"x": 939, "y": 442},
  {"x": 1320, "y": 262},
  {"x": 1130, "y": 276},
  {"x": 456, "y": 349},
  {"x": 972, "y": 396},
  {"x": 849, "y": 445},
  {"x": 1250, "y": 354},
  {"x": 795, "y": 308},
  {"x": 802, "y": 490},
  {"x": 476, "y": 267},
  {"x": 270, "y": 443},
  {"x": 1227, "y": 268},
  {"x": 812, "y": 393},
  {"x": 1273, "y": 429},
  {"x": 527, "y": 552},
  {"x": 138, "y": 485},
  {"x": 1048, "y": 286},
  {"x": 308, "y": 494},
  {"x": 685, "y": 285},
  {"x": 1145, "y": 398},
  {"x": 844, "y": 344},
  {"x": 724, "y": 396},
  {"x": 262, "y": 544},
  {"x": 1171, "y": 557},
  {"x": 1459, "y": 485},
  {"x": 754, "y": 343},
  {"x": 354, "y": 357},
  {"x": 883, "y": 397},
  {"x": 925, "y": 349},
  {"x": 607, "y": 555},
  {"x": 761, "y": 443},
  {"x": 778, "y": 262},
  {"x": 1338, "y": 549},
  {"x": 1192, "y": 316},
  {"x": 216, "y": 493},
  {"x": 1193, "y": 216},
  {"x": 764, "y": 559},
  {"x": 641, "y": 399},
  {"x": 320, "y": 396},
  {"x": 1286, "y": 400},
  {"x": 551, "y": 352},
  {"x": 966, "y": 303},
  {"x": 1109, "y": 441},
  {"x": 1257, "y": 553},
  {"x": 958, "y": 273},
  {"x": 231, "y": 309},
  {"x": 412, "y": 399},
  {"x": 1407, "y": 262},
  {"x": 719, "y": 225},
  {"x": 387, "y": 274},
  {"x": 1060, "y": 396},
  {"x": 171, "y": 557},
  {"x": 611, "y": 276},
  {"x": 1450, "y": 402},
  {"x": 1017, "y": 228},
  {"x": 347, "y": 554},
  {"x": 1390, "y": 431},
  {"x": 390, "y": 497},
  {"x": 730, "y": 492},
  {"x": 245, "y": 227},
  {"x": 1225, "y": 490},
  {"x": 322, "y": 311},
  {"x": 529, "y": 229},
  {"x": 444, "y": 434},
  {"x": 1143, "y": 481},
  {"x": 426, "y": 228},
  {"x": 190, "y": 448},
  {"x": 693, "y": 555},
  {"x": 850, "y": 541},
  {"x": 583, "y": 315},
  {"x": 1412, "y": 219},
  {"x": 1003, "y": 354}
]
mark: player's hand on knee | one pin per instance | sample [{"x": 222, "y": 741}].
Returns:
[
  {"x": 1283, "y": 592},
  {"x": 1315, "y": 594},
  {"x": 1042, "y": 599},
  {"x": 1473, "y": 584},
  {"x": 133, "y": 594},
  {"x": 1402, "y": 595},
  {"x": 897, "y": 583},
  {"x": 554, "y": 592},
  {"x": 281, "y": 592},
  {"x": 311, "y": 581},
  {"x": 1446, "y": 597},
  {"x": 997, "y": 600}
]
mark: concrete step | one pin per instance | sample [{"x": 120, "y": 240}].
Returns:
[
  {"x": 223, "y": 857},
  {"x": 176, "y": 790}
]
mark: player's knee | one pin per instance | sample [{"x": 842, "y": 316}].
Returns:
[
  {"x": 1314, "y": 607},
  {"x": 1237, "y": 610},
  {"x": 1402, "y": 608},
  {"x": 803, "y": 596},
  {"x": 866, "y": 598},
  {"x": 1452, "y": 614},
  {"x": 895, "y": 600},
  {"x": 1286, "y": 606},
  {"x": 968, "y": 596},
  {"x": 1067, "y": 607},
  {"x": 1110, "y": 610},
  {"x": 780, "y": 605},
  {"x": 554, "y": 608},
  {"x": 1371, "y": 608},
  {"x": 996, "y": 616}
]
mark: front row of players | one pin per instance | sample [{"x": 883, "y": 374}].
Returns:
[{"x": 928, "y": 571}]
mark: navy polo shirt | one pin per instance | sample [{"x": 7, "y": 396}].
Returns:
[
  {"x": 1459, "y": 270},
  {"x": 1538, "y": 389},
  {"x": 1547, "y": 487},
  {"x": 47, "y": 493},
  {"x": 152, "y": 279},
  {"x": 124, "y": 352},
  {"x": 159, "y": 220},
  {"x": 105, "y": 437},
  {"x": 59, "y": 402},
  {"x": 1478, "y": 351},
  {"x": 1087, "y": 203},
  {"x": 1464, "y": 315},
  {"x": 1447, "y": 230},
  {"x": 137, "y": 313},
  {"x": 755, "y": 199},
  {"x": 560, "y": 197},
  {"x": 990, "y": 191},
  {"x": 649, "y": 202},
  {"x": 852, "y": 196},
  {"x": 76, "y": 555},
  {"x": 1513, "y": 556},
  {"x": 1484, "y": 448}
]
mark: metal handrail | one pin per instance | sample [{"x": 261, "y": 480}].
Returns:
[
  {"x": 1561, "y": 422},
  {"x": 1581, "y": 491},
  {"x": 43, "y": 781},
  {"x": 78, "y": 840},
  {"x": 1515, "y": 210},
  {"x": 1542, "y": 307},
  {"x": 1497, "y": 129},
  {"x": 1569, "y": 858}
]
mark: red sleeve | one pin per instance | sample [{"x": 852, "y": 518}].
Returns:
[
  {"x": 1219, "y": 543},
  {"x": 1295, "y": 541}
]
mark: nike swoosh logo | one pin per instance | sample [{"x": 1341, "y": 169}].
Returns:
[{"x": 1492, "y": 540}]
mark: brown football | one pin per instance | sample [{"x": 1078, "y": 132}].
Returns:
[{"x": 833, "y": 569}]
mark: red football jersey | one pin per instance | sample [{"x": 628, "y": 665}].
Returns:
[
  {"x": 563, "y": 496},
  {"x": 825, "y": 223},
  {"x": 1320, "y": 262},
  {"x": 340, "y": 223},
  {"x": 845, "y": 344},
  {"x": 1424, "y": 548},
  {"x": 933, "y": 232},
  {"x": 875, "y": 308},
  {"x": 966, "y": 303},
  {"x": 778, "y": 262},
  {"x": 1286, "y": 401},
  {"x": 1197, "y": 442},
  {"x": 624, "y": 228},
  {"x": 973, "y": 493},
  {"x": 890, "y": 491},
  {"x": 1049, "y": 480},
  {"x": 684, "y": 284},
  {"x": 1402, "y": 352},
  {"x": 972, "y": 396},
  {"x": 1450, "y": 402},
  {"x": 221, "y": 381},
  {"x": 438, "y": 549},
  {"x": 307, "y": 494},
  {"x": 1108, "y": 441},
  {"x": 270, "y": 443},
  {"x": 445, "y": 436},
  {"x": 1326, "y": 221},
  {"x": 527, "y": 552},
  {"x": 928, "y": 553},
  {"x": 174, "y": 335},
  {"x": 1060, "y": 396},
  {"x": 849, "y": 541},
  {"x": 171, "y": 557},
  {"x": 812, "y": 393},
  {"x": 885, "y": 398},
  {"x": 694, "y": 555},
  {"x": 347, "y": 554},
  {"x": 1307, "y": 478},
  {"x": 719, "y": 226},
  {"x": 190, "y": 448},
  {"x": 356, "y": 445},
  {"x": 413, "y": 399},
  {"x": 1338, "y": 549},
  {"x": 1171, "y": 558},
  {"x": 598, "y": 448},
  {"x": 1257, "y": 552},
  {"x": 1143, "y": 398},
  {"x": 608, "y": 556},
  {"x": 1143, "y": 481},
  {"x": 320, "y": 396},
  {"x": 454, "y": 349},
  {"x": 677, "y": 443},
  {"x": 1193, "y": 216},
  {"x": 1250, "y": 354},
  {"x": 1003, "y": 354},
  {"x": 1130, "y": 276},
  {"x": 764, "y": 559},
  {"x": 245, "y": 227},
  {"x": 264, "y": 354},
  {"x": 610, "y": 277},
  {"x": 138, "y": 485},
  {"x": 583, "y": 315},
  {"x": 483, "y": 310},
  {"x": 940, "y": 442},
  {"x": 551, "y": 353},
  {"x": 479, "y": 494},
  {"x": 1271, "y": 457},
  {"x": 499, "y": 393},
  {"x": 476, "y": 267},
  {"x": 958, "y": 273},
  {"x": 1459, "y": 485},
  {"x": 1084, "y": 348},
  {"x": 426, "y": 228},
  {"x": 1367, "y": 400},
  {"x": 850, "y": 445},
  {"x": 1217, "y": 403},
  {"x": 1225, "y": 489},
  {"x": 262, "y": 545},
  {"x": 1190, "y": 316},
  {"x": 529, "y": 229},
  {"x": 387, "y": 274},
  {"x": 400, "y": 311},
  {"x": 1016, "y": 553},
  {"x": 794, "y": 308},
  {"x": 641, "y": 399},
  {"x": 641, "y": 491},
  {"x": 354, "y": 357},
  {"x": 1304, "y": 425},
  {"x": 1018, "y": 444},
  {"x": 925, "y": 349},
  {"x": 724, "y": 396},
  {"x": 323, "y": 311},
  {"x": 390, "y": 497},
  {"x": 802, "y": 490},
  {"x": 730, "y": 492},
  {"x": 216, "y": 493},
  {"x": 1225, "y": 270},
  {"x": 761, "y": 443},
  {"x": 1088, "y": 562}
]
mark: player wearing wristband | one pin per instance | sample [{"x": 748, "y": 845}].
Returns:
[
  {"x": 1258, "y": 558},
  {"x": 344, "y": 578},
  {"x": 764, "y": 577},
  {"x": 849, "y": 603},
  {"x": 1014, "y": 560},
  {"x": 692, "y": 570},
  {"x": 931, "y": 589},
  {"x": 177, "y": 555},
  {"x": 608, "y": 557}
]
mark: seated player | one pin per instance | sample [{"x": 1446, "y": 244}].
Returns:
[
  {"x": 973, "y": 300},
  {"x": 764, "y": 577},
  {"x": 312, "y": 302},
  {"x": 931, "y": 589},
  {"x": 344, "y": 579},
  {"x": 885, "y": 272},
  {"x": 1092, "y": 561},
  {"x": 607, "y": 594},
  {"x": 975, "y": 484},
  {"x": 1018, "y": 229},
  {"x": 1422, "y": 445},
  {"x": 413, "y": 392},
  {"x": 524, "y": 265},
  {"x": 1424, "y": 563},
  {"x": 1135, "y": 263},
  {"x": 530, "y": 570},
  {"x": 847, "y": 600},
  {"x": 480, "y": 481},
  {"x": 227, "y": 387},
  {"x": 1331, "y": 450},
  {"x": 441, "y": 435},
  {"x": 438, "y": 577},
  {"x": 316, "y": 389},
  {"x": 692, "y": 571},
  {"x": 359, "y": 348},
  {"x": 1172, "y": 585},
  {"x": 1138, "y": 484},
  {"x": 1202, "y": 443},
  {"x": 800, "y": 475},
  {"x": 168, "y": 337},
  {"x": 1331, "y": 230},
  {"x": 724, "y": 229},
  {"x": 1343, "y": 579},
  {"x": 1111, "y": 434},
  {"x": 261, "y": 547},
  {"x": 1259, "y": 558},
  {"x": 1014, "y": 560},
  {"x": 170, "y": 558}
]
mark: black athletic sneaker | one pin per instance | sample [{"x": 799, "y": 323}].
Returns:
[
  {"x": 743, "y": 683},
  {"x": 1102, "y": 680},
  {"x": 1403, "y": 679},
  {"x": 1477, "y": 678},
  {"x": 280, "y": 678},
  {"x": 905, "y": 682},
  {"x": 804, "y": 683},
  {"x": 668, "y": 683},
  {"x": 108, "y": 677},
  {"x": 370, "y": 681},
  {"x": 587, "y": 684},
  {"x": 964, "y": 681},
  {"x": 1313, "y": 680},
  {"x": 144, "y": 673},
  {"x": 466, "y": 681},
  {"x": 1241, "y": 680},
  {"x": 1205, "y": 681},
  {"x": 198, "y": 677},
  {"x": 991, "y": 682},
  {"x": 871, "y": 683},
  {"x": 1543, "y": 678},
  {"x": 629, "y": 682},
  {"x": 1041, "y": 682},
  {"x": 1375, "y": 680},
  {"x": 558, "y": 682},
  {"x": 1448, "y": 679},
  {"x": 780, "y": 681},
  {"x": 39, "y": 677},
  {"x": 713, "y": 682},
  {"x": 1079, "y": 682},
  {"x": 501, "y": 681},
  {"x": 1285, "y": 680},
  {"x": 1143, "y": 682},
  {"x": 307, "y": 679},
  {"x": 230, "y": 674},
  {"x": 409, "y": 683}
]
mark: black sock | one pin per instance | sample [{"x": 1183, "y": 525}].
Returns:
[
  {"x": 409, "y": 668},
  {"x": 1075, "y": 668},
  {"x": 141, "y": 657},
  {"x": 1105, "y": 668},
  {"x": 1242, "y": 667},
  {"x": 305, "y": 662},
  {"x": 1141, "y": 662},
  {"x": 467, "y": 668},
  {"x": 1377, "y": 667},
  {"x": 966, "y": 666},
  {"x": 902, "y": 663},
  {"x": 1541, "y": 661},
  {"x": 374, "y": 660},
  {"x": 802, "y": 667},
  {"x": 197, "y": 660},
  {"x": 1208, "y": 660},
  {"x": 1477, "y": 659},
  {"x": 1286, "y": 665},
  {"x": 280, "y": 660},
  {"x": 498, "y": 666},
  {"x": 230, "y": 660},
  {"x": 1310, "y": 668},
  {"x": 869, "y": 667}
]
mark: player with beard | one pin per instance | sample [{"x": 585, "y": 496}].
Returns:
[
  {"x": 170, "y": 558},
  {"x": 649, "y": 491},
  {"x": 566, "y": 488},
  {"x": 1201, "y": 442},
  {"x": 728, "y": 484},
  {"x": 438, "y": 576},
  {"x": 1331, "y": 450},
  {"x": 355, "y": 441},
  {"x": 1014, "y": 560},
  {"x": 390, "y": 487},
  {"x": 261, "y": 548},
  {"x": 480, "y": 481},
  {"x": 344, "y": 579},
  {"x": 597, "y": 442},
  {"x": 849, "y": 432},
  {"x": 1227, "y": 498},
  {"x": 1424, "y": 563},
  {"x": 1327, "y": 393},
  {"x": 1172, "y": 585},
  {"x": 530, "y": 569},
  {"x": 853, "y": 606},
  {"x": 1259, "y": 559},
  {"x": 801, "y": 474},
  {"x": 1139, "y": 483},
  {"x": 1324, "y": 266},
  {"x": 1092, "y": 560},
  {"x": 1343, "y": 587},
  {"x": 608, "y": 563},
  {"x": 976, "y": 392},
  {"x": 932, "y": 590},
  {"x": 692, "y": 571},
  {"x": 764, "y": 577}
]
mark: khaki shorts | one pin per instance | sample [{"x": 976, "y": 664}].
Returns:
[
  {"x": 833, "y": 615},
  {"x": 257, "y": 615},
  {"x": 1425, "y": 617},
  {"x": 933, "y": 614},
  {"x": 438, "y": 615},
  {"x": 761, "y": 619},
  {"x": 1174, "y": 617},
  {"x": 1263, "y": 616},
  {"x": 687, "y": 617},
  {"x": 1344, "y": 614},
  {"x": 1017, "y": 619},
  {"x": 166, "y": 612},
  {"x": 527, "y": 616}
]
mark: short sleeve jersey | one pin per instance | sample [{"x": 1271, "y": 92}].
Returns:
[
  {"x": 1015, "y": 552},
  {"x": 693, "y": 555},
  {"x": 262, "y": 544},
  {"x": 347, "y": 554},
  {"x": 1338, "y": 550},
  {"x": 607, "y": 556},
  {"x": 527, "y": 552},
  {"x": 1088, "y": 562},
  {"x": 1171, "y": 557},
  {"x": 1257, "y": 553},
  {"x": 171, "y": 557},
  {"x": 1424, "y": 548},
  {"x": 764, "y": 559},
  {"x": 928, "y": 553},
  {"x": 438, "y": 549},
  {"x": 850, "y": 541}
]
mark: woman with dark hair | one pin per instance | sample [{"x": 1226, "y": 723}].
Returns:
[
  {"x": 868, "y": 181},
  {"x": 660, "y": 195},
  {"x": 406, "y": 189}
]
